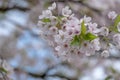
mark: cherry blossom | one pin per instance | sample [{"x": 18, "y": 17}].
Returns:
[
  {"x": 66, "y": 11},
  {"x": 93, "y": 28},
  {"x": 104, "y": 31},
  {"x": 96, "y": 44},
  {"x": 116, "y": 39},
  {"x": 68, "y": 34},
  {"x": 46, "y": 14},
  {"x": 112, "y": 15},
  {"x": 87, "y": 19},
  {"x": 52, "y": 7},
  {"x": 105, "y": 53}
]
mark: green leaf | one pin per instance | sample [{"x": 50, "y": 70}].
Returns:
[
  {"x": 112, "y": 70},
  {"x": 117, "y": 20},
  {"x": 76, "y": 40},
  {"x": 90, "y": 36},
  {"x": 83, "y": 28},
  {"x": 3, "y": 70},
  {"x": 113, "y": 28},
  {"x": 108, "y": 77},
  {"x": 58, "y": 25},
  {"x": 46, "y": 20},
  {"x": 60, "y": 18}
]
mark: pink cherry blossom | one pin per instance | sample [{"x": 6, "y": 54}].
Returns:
[{"x": 59, "y": 33}]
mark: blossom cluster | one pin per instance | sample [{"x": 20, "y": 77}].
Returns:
[{"x": 67, "y": 34}]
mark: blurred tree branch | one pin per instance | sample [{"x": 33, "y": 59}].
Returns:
[
  {"x": 80, "y": 2},
  {"x": 4, "y": 9},
  {"x": 110, "y": 57}
]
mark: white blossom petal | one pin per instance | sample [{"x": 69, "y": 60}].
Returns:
[
  {"x": 105, "y": 53},
  {"x": 112, "y": 15},
  {"x": 52, "y": 7},
  {"x": 66, "y": 11}
]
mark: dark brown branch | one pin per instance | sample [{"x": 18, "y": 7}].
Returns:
[
  {"x": 104, "y": 58},
  {"x": 4, "y": 9}
]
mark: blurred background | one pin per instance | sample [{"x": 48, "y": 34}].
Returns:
[{"x": 31, "y": 58}]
